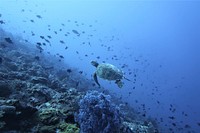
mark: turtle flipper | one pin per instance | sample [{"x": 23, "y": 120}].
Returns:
[
  {"x": 95, "y": 79},
  {"x": 119, "y": 83}
]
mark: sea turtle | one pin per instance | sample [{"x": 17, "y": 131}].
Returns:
[{"x": 108, "y": 72}]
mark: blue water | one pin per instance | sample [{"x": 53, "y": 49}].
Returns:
[{"x": 155, "y": 43}]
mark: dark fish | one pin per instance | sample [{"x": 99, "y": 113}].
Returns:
[
  {"x": 171, "y": 117},
  {"x": 61, "y": 41},
  {"x": 49, "y": 37},
  {"x": 42, "y": 37},
  {"x": 75, "y": 32},
  {"x": 32, "y": 20},
  {"x": 80, "y": 72},
  {"x": 8, "y": 40},
  {"x": 174, "y": 124},
  {"x": 38, "y": 16},
  {"x": 63, "y": 24},
  {"x": 198, "y": 123},
  {"x": 47, "y": 40},
  {"x": 66, "y": 47},
  {"x": 2, "y": 22},
  {"x": 55, "y": 32},
  {"x": 61, "y": 56},
  {"x": 69, "y": 70},
  {"x": 39, "y": 44},
  {"x": 32, "y": 33},
  {"x": 0, "y": 15},
  {"x": 98, "y": 57}
]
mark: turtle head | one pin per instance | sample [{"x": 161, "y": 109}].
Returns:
[{"x": 94, "y": 63}]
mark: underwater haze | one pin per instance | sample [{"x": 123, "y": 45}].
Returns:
[{"x": 155, "y": 43}]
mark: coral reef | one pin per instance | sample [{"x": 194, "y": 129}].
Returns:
[
  {"x": 37, "y": 95},
  {"x": 98, "y": 114}
]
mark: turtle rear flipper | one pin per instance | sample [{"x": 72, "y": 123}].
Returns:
[
  {"x": 119, "y": 83},
  {"x": 95, "y": 79}
]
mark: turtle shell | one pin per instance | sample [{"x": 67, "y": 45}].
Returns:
[{"x": 109, "y": 72}]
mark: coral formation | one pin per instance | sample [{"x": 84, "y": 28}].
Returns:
[
  {"x": 38, "y": 96},
  {"x": 98, "y": 114}
]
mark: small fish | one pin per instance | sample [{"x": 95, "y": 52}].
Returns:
[
  {"x": 38, "y": 16},
  {"x": 81, "y": 72},
  {"x": 69, "y": 70},
  {"x": 174, "y": 124},
  {"x": 61, "y": 56},
  {"x": 2, "y": 22},
  {"x": 8, "y": 40},
  {"x": 61, "y": 41},
  {"x": 39, "y": 44},
  {"x": 32, "y": 20},
  {"x": 32, "y": 33},
  {"x": 75, "y": 32},
  {"x": 66, "y": 47},
  {"x": 47, "y": 40},
  {"x": 42, "y": 37},
  {"x": 49, "y": 37},
  {"x": 171, "y": 117}
]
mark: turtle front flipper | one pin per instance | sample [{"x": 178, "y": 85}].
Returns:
[
  {"x": 95, "y": 79},
  {"x": 119, "y": 83}
]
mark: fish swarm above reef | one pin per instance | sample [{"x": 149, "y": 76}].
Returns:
[{"x": 37, "y": 96}]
